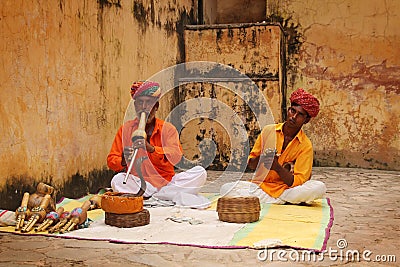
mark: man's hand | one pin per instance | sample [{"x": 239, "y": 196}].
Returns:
[
  {"x": 139, "y": 143},
  {"x": 142, "y": 143},
  {"x": 270, "y": 161},
  {"x": 123, "y": 161},
  {"x": 128, "y": 151}
]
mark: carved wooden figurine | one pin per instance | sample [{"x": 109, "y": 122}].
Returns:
[
  {"x": 77, "y": 217},
  {"x": 51, "y": 217},
  {"x": 95, "y": 202},
  {"x": 36, "y": 198},
  {"x": 64, "y": 217},
  {"x": 37, "y": 214},
  {"x": 22, "y": 212}
]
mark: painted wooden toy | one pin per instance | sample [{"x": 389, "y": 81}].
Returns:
[
  {"x": 42, "y": 190},
  {"x": 95, "y": 202},
  {"x": 38, "y": 214},
  {"x": 64, "y": 217},
  {"x": 22, "y": 212},
  {"x": 77, "y": 217},
  {"x": 51, "y": 218}
]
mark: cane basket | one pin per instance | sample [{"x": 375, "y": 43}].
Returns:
[
  {"x": 121, "y": 203},
  {"x": 128, "y": 220},
  {"x": 238, "y": 209}
]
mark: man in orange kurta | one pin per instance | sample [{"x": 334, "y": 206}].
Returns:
[
  {"x": 283, "y": 175},
  {"x": 160, "y": 143},
  {"x": 159, "y": 169}
]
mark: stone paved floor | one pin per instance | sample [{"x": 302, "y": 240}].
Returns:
[{"x": 366, "y": 209}]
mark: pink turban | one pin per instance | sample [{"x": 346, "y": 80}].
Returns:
[
  {"x": 145, "y": 88},
  {"x": 306, "y": 100}
]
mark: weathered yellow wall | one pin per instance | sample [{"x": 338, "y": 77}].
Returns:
[
  {"x": 65, "y": 73},
  {"x": 251, "y": 49},
  {"x": 240, "y": 11},
  {"x": 233, "y": 11},
  {"x": 347, "y": 54}
]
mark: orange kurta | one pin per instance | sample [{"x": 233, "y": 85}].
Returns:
[
  {"x": 299, "y": 151},
  {"x": 159, "y": 169}
]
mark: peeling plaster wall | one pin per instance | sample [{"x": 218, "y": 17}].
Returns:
[
  {"x": 65, "y": 73},
  {"x": 232, "y": 11},
  {"x": 240, "y": 11},
  {"x": 251, "y": 49},
  {"x": 347, "y": 54}
]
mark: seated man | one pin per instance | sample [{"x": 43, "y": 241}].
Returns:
[
  {"x": 164, "y": 151},
  {"x": 285, "y": 175}
]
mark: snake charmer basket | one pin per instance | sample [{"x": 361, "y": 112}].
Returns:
[
  {"x": 238, "y": 209},
  {"x": 124, "y": 210},
  {"x": 121, "y": 203}
]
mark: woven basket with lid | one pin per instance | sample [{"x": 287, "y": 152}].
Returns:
[
  {"x": 238, "y": 209},
  {"x": 121, "y": 203}
]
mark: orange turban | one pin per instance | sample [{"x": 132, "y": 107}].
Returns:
[
  {"x": 306, "y": 100},
  {"x": 145, "y": 88}
]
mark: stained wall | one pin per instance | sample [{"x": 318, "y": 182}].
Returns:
[
  {"x": 347, "y": 54},
  {"x": 253, "y": 49},
  {"x": 65, "y": 73}
]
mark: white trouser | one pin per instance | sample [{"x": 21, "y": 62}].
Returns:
[
  {"x": 183, "y": 189},
  {"x": 307, "y": 192}
]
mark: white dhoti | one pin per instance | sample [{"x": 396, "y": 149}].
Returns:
[
  {"x": 183, "y": 189},
  {"x": 305, "y": 193}
]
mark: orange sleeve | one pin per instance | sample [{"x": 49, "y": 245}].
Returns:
[
  {"x": 170, "y": 148},
  {"x": 114, "y": 158},
  {"x": 303, "y": 165},
  {"x": 266, "y": 139}
]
